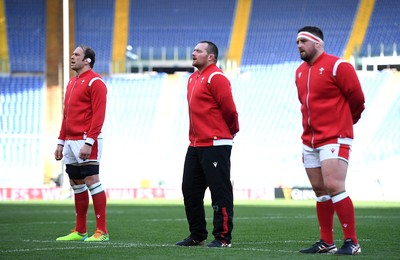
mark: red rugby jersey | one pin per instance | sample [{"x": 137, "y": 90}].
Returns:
[
  {"x": 84, "y": 108},
  {"x": 212, "y": 111},
  {"x": 331, "y": 100}
]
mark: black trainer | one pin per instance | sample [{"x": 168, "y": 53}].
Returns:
[
  {"x": 349, "y": 248},
  {"x": 189, "y": 241},
  {"x": 320, "y": 247},
  {"x": 220, "y": 243}
]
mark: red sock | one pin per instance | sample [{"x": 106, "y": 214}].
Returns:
[
  {"x": 81, "y": 208},
  {"x": 325, "y": 214},
  {"x": 99, "y": 204},
  {"x": 345, "y": 211}
]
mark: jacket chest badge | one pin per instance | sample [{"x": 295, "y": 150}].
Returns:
[
  {"x": 201, "y": 81},
  {"x": 82, "y": 82},
  {"x": 321, "y": 70},
  {"x": 299, "y": 75}
]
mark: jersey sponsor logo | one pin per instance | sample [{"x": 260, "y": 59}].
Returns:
[{"x": 215, "y": 164}]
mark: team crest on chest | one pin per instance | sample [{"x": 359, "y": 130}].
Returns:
[
  {"x": 201, "y": 81},
  {"x": 321, "y": 70}
]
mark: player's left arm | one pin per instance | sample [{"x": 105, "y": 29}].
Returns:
[
  {"x": 222, "y": 91},
  {"x": 350, "y": 86},
  {"x": 99, "y": 100}
]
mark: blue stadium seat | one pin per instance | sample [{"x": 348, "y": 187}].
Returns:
[
  {"x": 26, "y": 30},
  {"x": 170, "y": 24},
  {"x": 383, "y": 29},
  {"x": 132, "y": 103},
  {"x": 94, "y": 27},
  {"x": 22, "y": 101},
  {"x": 273, "y": 27},
  {"x": 22, "y": 106}
]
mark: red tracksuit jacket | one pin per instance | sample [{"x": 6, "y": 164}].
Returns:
[
  {"x": 84, "y": 108},
  {"x": 331, "y": 100},
  {"x": 212, "y": 111}
]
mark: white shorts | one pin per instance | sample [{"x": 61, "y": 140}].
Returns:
[
  {"x": 312, "y": 157},
  {"x": 72, "y": 148}
]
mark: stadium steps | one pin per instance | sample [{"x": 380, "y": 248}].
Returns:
[
  {"x": 383, "y": 30},
  {"x": 239, "y": 31},
  {"x": 120, "y": 38},
  {"x": 4, "y": 60},
  {"x": 360, "y": 27}
]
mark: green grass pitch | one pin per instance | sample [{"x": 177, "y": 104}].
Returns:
[{"x": 149, "y": 229}]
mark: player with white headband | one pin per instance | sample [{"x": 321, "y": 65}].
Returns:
[
  {"x": 331, "y": 102},
  {"x": 309, "y": 36}
]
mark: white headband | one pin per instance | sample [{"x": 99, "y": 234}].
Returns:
[{"x": 310, "y": 37}]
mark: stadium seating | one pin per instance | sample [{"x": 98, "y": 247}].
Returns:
[
  {"x": 26, "y": 34},
  {"x": 22, "y": 104},
  {"x": 132, "y": 103},
  {"x": 22, "y": 124},
  {"x": 383, "y": 30},
  {"x": 383, "y": 141},
  {"x": 138, "y": 108},
  {"x": 180, "y": 24},
  {"x": 94, "y": 27},
  {"x": 271, "y": 37}
]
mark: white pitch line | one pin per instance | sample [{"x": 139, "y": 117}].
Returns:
[
  {"x": 235, "y": 218},
  {"x": 126, "y": 245}
]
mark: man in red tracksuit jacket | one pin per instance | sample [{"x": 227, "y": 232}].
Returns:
[
  {"x": 213, "y": 125},
  {"x": 80, "y": 143},
  {"x": 331, "y": 102}
]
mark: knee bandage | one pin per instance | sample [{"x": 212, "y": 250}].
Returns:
[
  {"x": 323, "y": 198},
  {"x": 79, "y": 188},
  {"x": 96, "y": 188}
]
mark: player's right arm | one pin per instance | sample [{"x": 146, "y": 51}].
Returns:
[{"x": 58, "y": 154}]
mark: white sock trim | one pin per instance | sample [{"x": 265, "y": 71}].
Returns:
[
  {"x": 323, "y": 198},
  {"x": 79, "y": 188},
  {"x": 339, "y": 197},
  {"x": 96, "y": 188}
]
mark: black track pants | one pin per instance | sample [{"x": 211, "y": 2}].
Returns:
[{"x": 208, "y": 167}]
